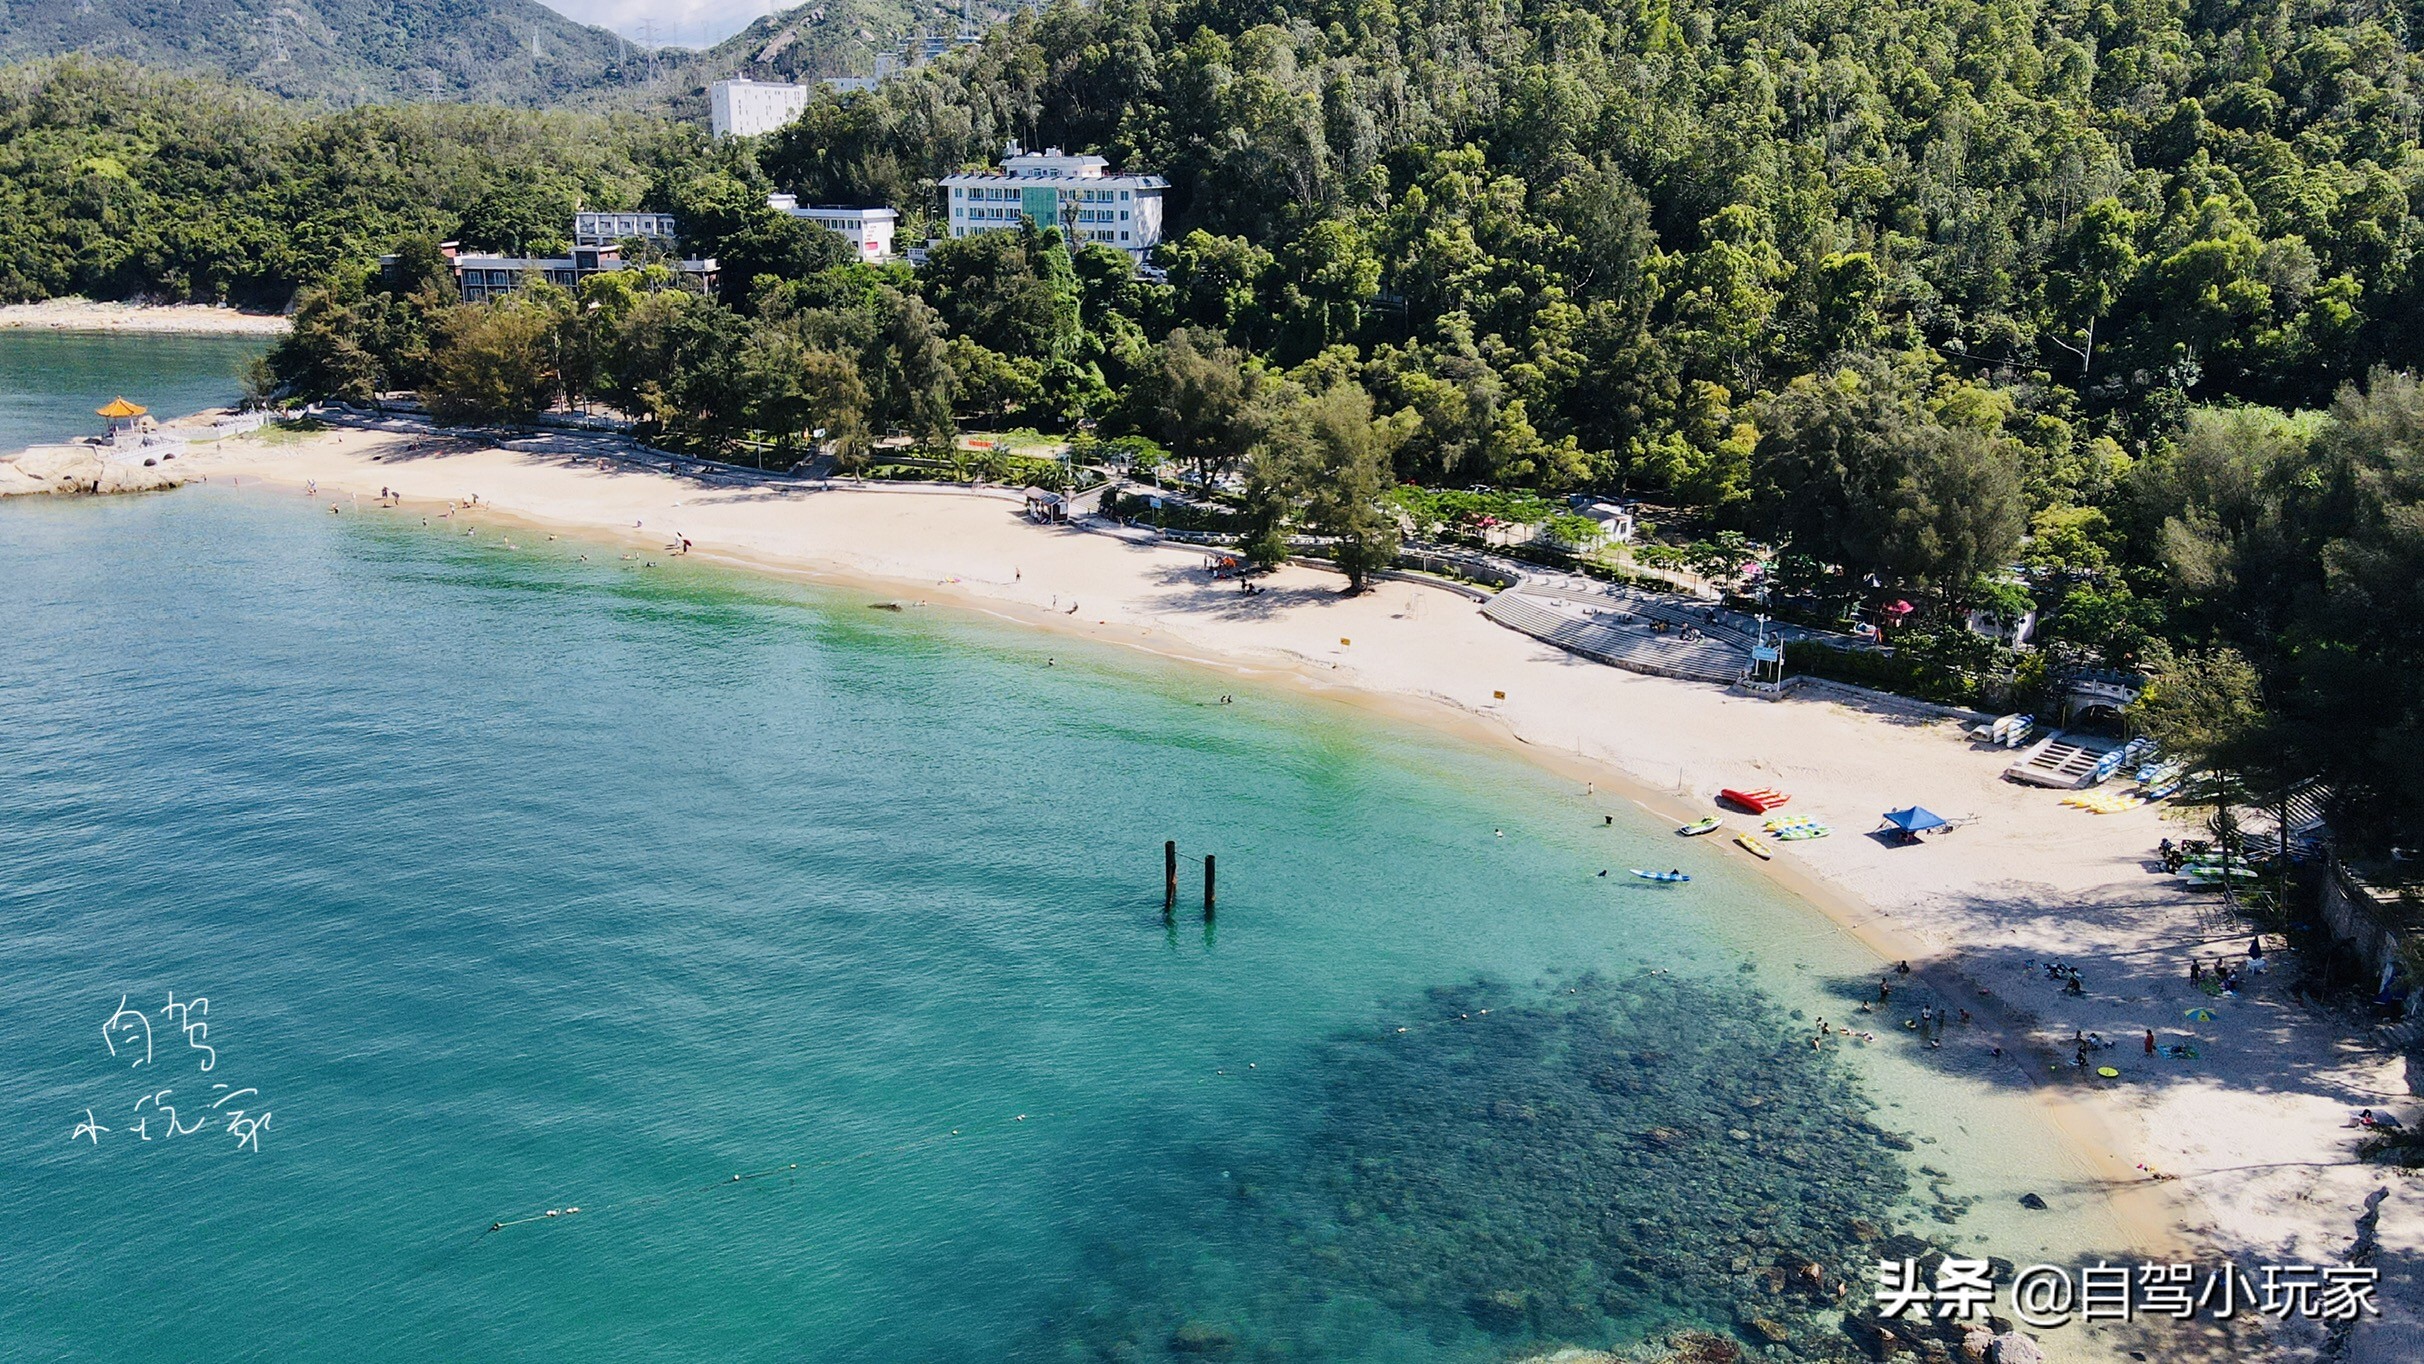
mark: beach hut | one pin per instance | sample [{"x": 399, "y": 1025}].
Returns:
[
  {"x": 123, "y": 417},
  {"x": 1046, "y": 506}
]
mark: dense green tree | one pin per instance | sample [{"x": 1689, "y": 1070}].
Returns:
[
  {"x": 1207, "y": 404},
  {"x": 1335, "y": 462},
  {"x": 492, "y": 363}
]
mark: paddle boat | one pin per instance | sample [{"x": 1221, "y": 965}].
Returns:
[
  {"x": 1666, "y": 877},
  {"x": 1754, "y": 847},
  {"x": 1758, "y": 801},
  {"x": 1698, "y": 827}
]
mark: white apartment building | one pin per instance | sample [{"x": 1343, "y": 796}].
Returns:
[
  {"x": 870, "y": 230},
  {"x": 745, "y": 108},
  {"x": 1077, "y": 194}
]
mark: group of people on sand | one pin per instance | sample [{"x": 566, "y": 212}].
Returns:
[
  {"x": 2223, "y": 978},
  {"x": 2073, "y": 983}
]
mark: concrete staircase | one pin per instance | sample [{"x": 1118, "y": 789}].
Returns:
[
  {"x": 1631, "y": 647},
  {"x": 2061, "y": 761}
]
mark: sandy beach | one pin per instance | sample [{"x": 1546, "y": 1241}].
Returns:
[
  {"x": 2251, "y": 1134},
  {"x": 85, "y": 315}
]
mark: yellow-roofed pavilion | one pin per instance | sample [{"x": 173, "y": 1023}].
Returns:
[{"x": 121, "y": 414}]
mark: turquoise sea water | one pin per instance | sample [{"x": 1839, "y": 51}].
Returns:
[
  {"x": 50, "y": 382},
  {"x": 518, "y": 882}
]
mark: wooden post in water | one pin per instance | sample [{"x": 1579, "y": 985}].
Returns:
[
  {"x": 1169, "y": 877},
  {"x": 1207, "y": 887}
]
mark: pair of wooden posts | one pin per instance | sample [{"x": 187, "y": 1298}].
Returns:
[{"x": 1170, "y": 881}]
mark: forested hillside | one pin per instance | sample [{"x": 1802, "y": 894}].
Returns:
[
  {"x": 346, "y": 51},
  {"x": 2099, "y": 308},
  {"x": 118, "y": 182},
  {"x": 831, "y": 38}
]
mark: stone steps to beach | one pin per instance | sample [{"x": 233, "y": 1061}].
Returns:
[{"x": 1621, "y": 646}]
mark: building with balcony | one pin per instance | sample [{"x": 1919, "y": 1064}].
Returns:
[
  {"x": 480, "y": 277},
  {"x": 868, "y": 230},
  {"x": 1080, "y": 195},
  {"x": 607, "y": 229}
]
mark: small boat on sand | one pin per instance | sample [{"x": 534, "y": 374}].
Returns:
[
  {"x": 1758, "y": 801},
  {"x": 1698, "y": 827},
  {"x": 1668, "y": 877},
  {"x": 1754, "y": 847}
]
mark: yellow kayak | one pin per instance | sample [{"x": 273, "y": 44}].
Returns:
[{"x": 1754, "y": 847}]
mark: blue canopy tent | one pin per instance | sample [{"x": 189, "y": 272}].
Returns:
[{"x": 1916, "y": 820}]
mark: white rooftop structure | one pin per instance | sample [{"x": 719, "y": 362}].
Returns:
[
  {"x": 869, "y": 230},
  {"x": 1078, "y": 194},
  {"x": 605, "y": 229},
  {"x": 747, "y": 108}
]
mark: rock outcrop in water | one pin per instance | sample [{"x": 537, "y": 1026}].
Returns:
[{"x": 83, "y": 469}]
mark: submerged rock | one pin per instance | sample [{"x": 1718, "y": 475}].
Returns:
[
  {"x": 1502, "y": 1310},
  {"x": 1202, "y": 1340},
  {"x": 1559, "y": 1171}
]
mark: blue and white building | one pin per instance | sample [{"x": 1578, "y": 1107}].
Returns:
[{"x": 1080, "y": 195}]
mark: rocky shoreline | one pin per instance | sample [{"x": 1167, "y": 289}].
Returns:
[
  {"x": 86, "y": 315},
  {"x": 88, "y": 469}
]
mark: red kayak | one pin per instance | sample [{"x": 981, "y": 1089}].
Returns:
[{"x": 1758, "y": 802}]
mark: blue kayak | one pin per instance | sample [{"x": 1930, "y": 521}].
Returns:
[{"x": 1670, "y": 877}]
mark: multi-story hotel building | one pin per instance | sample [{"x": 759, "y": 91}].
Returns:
[{"x": 1051, "y": 188}]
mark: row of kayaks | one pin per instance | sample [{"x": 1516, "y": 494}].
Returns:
[
  {"x": 1746, "y": 842},
  {"x": 2115, "y": 802},
  {"x": 2213, "y": 873},
  {"x": 1761, "y": 800}
]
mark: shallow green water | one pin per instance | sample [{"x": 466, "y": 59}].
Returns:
[
  {"x": 517, "y": 882},
  {"x": 50, "y": 382}
]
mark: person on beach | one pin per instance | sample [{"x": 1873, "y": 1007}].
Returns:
[
  {"x": 2196, "y": 971},
  {"x": 2150, "y": 1041},
  {"x": 1902, "y": 968},
  {"x": 2255, "y": 956}
]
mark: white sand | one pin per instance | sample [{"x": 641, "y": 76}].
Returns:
[
  {"x": 85, "y": 315},
  {"x": 2253, "y": 1129}
]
